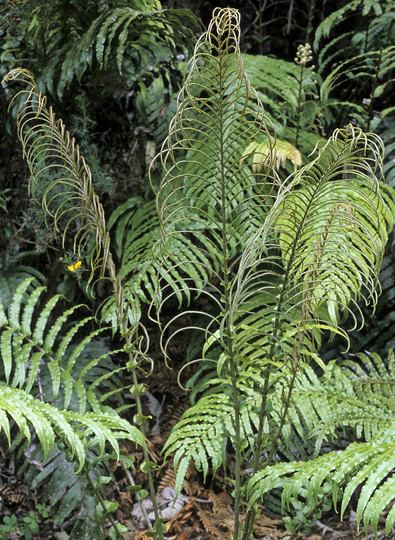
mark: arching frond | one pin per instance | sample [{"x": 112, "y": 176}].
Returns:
[
  {"x": 331, "y": 223},
  {"x": 60, "y": 178},
  {"x": 77, "y": 431},
  {"x": 311, "y": 485}
]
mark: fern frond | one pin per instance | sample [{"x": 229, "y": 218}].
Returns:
[
  {"x": 332, "y": 210},
  {"x": 29, "y": 336},
  {"x": 60, "y": 178},
  {"x": 357, "y": 397},
  {"x": 335, "y": 476},
  {"x": 127, "y": 37},
  {"x": 77, "y": 431},
  {"x": 138, "y": 233},
  {"x": 209, "y": 195},
  {"x": 203, "y": 432}
]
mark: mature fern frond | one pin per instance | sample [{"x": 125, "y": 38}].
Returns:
[
  {"x": 124, "y": 37},
  {"x": 76, "y": 431},
  {"x": 27, "y": 342},
  {"x": 204, "y": 430},
  {"x": 29, "y": 337},
  {"x": 335, "y": 476},
  {"x": 357, "y": 397},
  {"x": 348, "y": 397}
]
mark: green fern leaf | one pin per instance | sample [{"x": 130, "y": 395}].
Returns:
[
  {"x": 31, "y": 303},
  {"x": 335, "y": 17},
  {"x": 6, "y": 352},
  {"x": 16, "y": 305},
  {"x": 369, "y": 462},
  {"x": 78, "y": 431},
  {"x": 39, "y": 329},
  {"x": 34, "y": 367}
]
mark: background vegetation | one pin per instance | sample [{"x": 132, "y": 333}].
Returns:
[{"x": 112, "y": 72}]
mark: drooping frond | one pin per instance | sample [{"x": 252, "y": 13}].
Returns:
[
  {"x": 60, "y": 178},
  {"x": 77, "y": 431},
  {"x": 38, "y": 358},
  {"x": 331, "y": 223}
]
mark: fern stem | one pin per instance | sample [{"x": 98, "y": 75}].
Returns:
[
  {"x": 249, "y": 522},
  {"x": 132, "y": 364},
  {"x": 226, "y": 289},
  {"x": 103, "y": 505},
  {"x": 139, "y": 500},
  {"x": 298, "y": 109}
]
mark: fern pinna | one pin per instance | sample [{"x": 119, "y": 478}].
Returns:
[{"x": 287, "y": 259}]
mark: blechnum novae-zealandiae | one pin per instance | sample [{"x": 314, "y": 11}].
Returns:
[
  {"x": 278, "y": 263},
  {"x": 61, "y": 181}
]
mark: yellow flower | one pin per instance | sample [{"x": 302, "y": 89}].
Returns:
[{"x": 74, "y": 267}]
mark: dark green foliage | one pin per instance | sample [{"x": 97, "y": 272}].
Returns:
[{"x": 269, "y": 227}]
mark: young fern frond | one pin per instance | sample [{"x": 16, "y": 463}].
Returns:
[
  {"x": 209, "y": 192},
  {"x": 60, "y": 178}
]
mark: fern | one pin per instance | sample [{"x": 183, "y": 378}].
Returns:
[
  {"x": 67, "y": 195},
  {"x": 26, "y": 345},
  {"x": 286, "y": 266},
  {"x": 382, "y": 19},
  {"x": 357, "y": 397},
  {"x": 333, "y": 476},
  {"x": 127, "y": 38}
]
